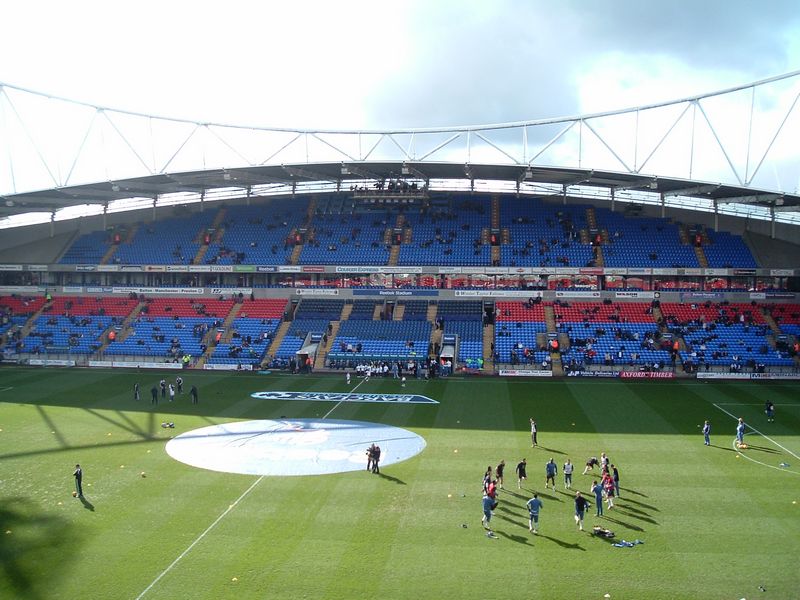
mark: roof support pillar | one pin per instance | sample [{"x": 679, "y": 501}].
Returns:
[
  {"x": 202, "y": 200},
  {"x": 155, "y": 201},
  {"x": 564, "y": 194},
  {"x": 716, "y": 215},
  {"x": 53, "y": 223},
  {"x": 612, "y": 199},
  {"x": 663, "y": 205},
  {"x": 772, "y": 221},
  {"x": 105, "y": 216}
]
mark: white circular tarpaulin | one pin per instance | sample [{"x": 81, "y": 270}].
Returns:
[{"x": 292, "y": 446}]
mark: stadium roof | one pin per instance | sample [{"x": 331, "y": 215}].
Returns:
[{"x": 345, "y": 173}]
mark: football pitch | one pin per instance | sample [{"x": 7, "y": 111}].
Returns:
[{"x": 715, "y": 522}]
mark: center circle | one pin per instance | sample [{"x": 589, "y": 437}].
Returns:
[{"x": 292, "y": 446}]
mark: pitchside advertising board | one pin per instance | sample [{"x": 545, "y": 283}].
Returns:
[
  {"x": 345, "y": 397},
  {"x": 524, "y": 373},
  {"x": 748, "y": 376}
]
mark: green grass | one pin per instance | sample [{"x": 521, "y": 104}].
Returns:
[{"x": 714, "y": 526}]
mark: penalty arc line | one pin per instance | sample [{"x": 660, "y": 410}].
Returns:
[
  {"x": 743, "y": 455},
  {"x": 219, "y": 518},
  {"x": 784, "y": 448}
]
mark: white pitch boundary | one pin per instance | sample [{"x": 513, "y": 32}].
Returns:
[
  {"x": 227, "y": 510},
  {"x": 784, "y": 448},
  {"x": 6, "y": 389},
  {"x": 756, "y": 404},
  {"x": 200, "y": 537},
  {"x": 742, "y": 454}
]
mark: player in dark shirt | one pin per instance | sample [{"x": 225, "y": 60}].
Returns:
[{"x": 522, "y": 473}]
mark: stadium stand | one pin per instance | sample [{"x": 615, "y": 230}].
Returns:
[{"x": 381, "y": 340}]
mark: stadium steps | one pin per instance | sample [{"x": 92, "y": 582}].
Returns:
[
  {"x": 228, "y": 323},
  {"x": 132, "y": 233},
  {"x": 550, "y": 318},
  {"x": 557, "y": 367},
  {"x": 432, "y": 310},
  {"x": 683, "y": 233},
  {"x": 599, "y": 257},
  {"x": 488, "y": 340},
  {"x": 376, "y": 314},
  {"x": 401, "y": 219},
  {"x": 495, "y": 212},
  {"x": 322, "y": 352},
  {"x": 408, "y": 235},
  {"x": 701, "y": 257},
  {"x": 771, "y": 322},
  {"x": 276, "y": 341},
  {"x": 295, "y": 258},
  {"x": 563, "y": 341},
  {"x": 211, "y": 346},
  {"x": 541, "y": 340},
  {"x": 485, "y": 235},
  {"x": 505, "y": 236},
  {"x": 585, "y": 237},
  {"x": 394, "y": 254},
  {"x": 591, "y": 219},
  {"x": 387, "y": 236},
  {"x": 495, "y": 255},
  {"x": 312, "y": 209},
  {"x": 112, "y": 250},
  {"x": 604, "y": 236},
  {"x": 347, "y": 309},
  {"x": 29, "y": 324},
  {"x": 399, "y": 311},
  {"x": 436, "y": 338},
  {"x": 74, "y": 236},
  {"x": 124, "y": 329}
]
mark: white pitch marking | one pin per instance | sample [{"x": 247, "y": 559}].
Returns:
[
  {"x": 743, "y": 455},
  {"x": 219, "y": 518},
  {"x": 758, "y": 432},
  {"x": 6, "y": 389},
  {"x": 756, "y": 404},
  {"x": 202, "y": 535},
  {"x": 350, "y": 393}
]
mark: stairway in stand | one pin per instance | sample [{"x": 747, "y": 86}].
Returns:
[
  {"x": 488, "y": 340},
  {"x": 125, "y": 328},
  {"x": 322, "y": 351},
  {"x": 555, "y": 357},
  {"x": 399, "y": 311},
  {"x": 276, "y": 342}
]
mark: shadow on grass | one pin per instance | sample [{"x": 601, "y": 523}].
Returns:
[
  {"x": 562, "y": 543},
  {"x": 392, "y": 479},
  {"x": 86, "y": 504},
  {"x": 35, "y": 538},
  {"x": 623, "y": 523},
  {"x": 634, "y": 492},
  {"x": 553, "y": 450},
  {"x": 520, "y": 539},
  {"x": 762, "y": 449},
  {"x": 628, "y": 499}
]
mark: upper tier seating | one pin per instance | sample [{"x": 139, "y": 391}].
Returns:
[
  {"x": 643, "y": 242},
  {"x": 543, "y": 235},
  {"x": 696, "y": 313},
  {"x": 88, "y": 249},
  {"x": 444, "y": 236},
  {"x": 348, "y": 239},
  {"x": 272, "y": 309},
  {"x": 728, "y": 251},
  {"x": 258, "y": 234},
  {"x": 167, "y": 242}
]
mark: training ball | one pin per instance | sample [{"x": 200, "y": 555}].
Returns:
[
  {"x": 456, "y": 450},
  {"x": 142, "y": 474},
  {"x": 449, "y": 495},
  {"x": 74, "y": 494}
]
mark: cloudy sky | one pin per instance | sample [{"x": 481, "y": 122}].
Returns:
[{"x": 355, "y": 65}]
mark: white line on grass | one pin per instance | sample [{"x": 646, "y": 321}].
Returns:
[
  {"x": 743, "y": 455},
  {"x": 219, "y": 518},
  {"x": 756, "y": 404},
  {"x": 6, "y": 389},
  {"x": 350, "y": 393},
  {"x": 202, "y": 535},
  {"x": 758, "y": 432}
]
